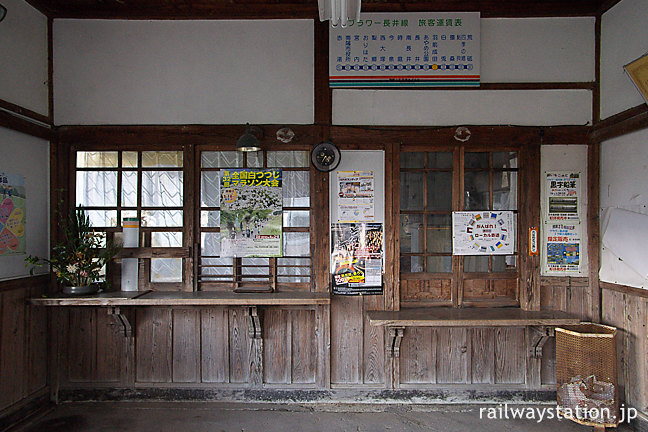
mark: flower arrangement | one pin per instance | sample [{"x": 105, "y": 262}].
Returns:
[{"x": 79, "y": 259}]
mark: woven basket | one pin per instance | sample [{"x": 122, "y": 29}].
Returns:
[{"x": 586, "y": 374}]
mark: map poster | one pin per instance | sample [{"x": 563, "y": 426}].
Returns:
[
  {"x": 563, "y": 247},
  {"x": 563, "y": 194},
  {"x": 251, "y": 213},
  {"x": 483, "y": 233},
  {"x": 12, "y": 214},
  {"x": 356, "y": 258},
  {"x": 356, "y": 195}
]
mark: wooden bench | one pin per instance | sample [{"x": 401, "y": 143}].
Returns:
[{"x": 542, "y": 322}]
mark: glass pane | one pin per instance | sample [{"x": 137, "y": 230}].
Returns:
[
  {"x": 210, "y": 245},
  {"x": 505, "y": 190},
  {"x": 129, "y": 189},
  {"x": 209, "y": 218},
  {"x": 162, "y": 189},
  {"x": 254, "y": 159},
  {"x": 439, "y": 233},
  {"x": 166, "y": 270},
  {"x": 106, "y": 159},
  {"x": 412, "y": 160},
  {"x": 476, "y": 160},
  {"x": 476, "y": 264},
  {"x": 287, "y": 159},
  {"x": 161, "y": 218},
  {"x": 411, "y": 264},
  {"x": 210, "y": 189},
  {"x": 217, "y": 273},
  {"x": 291, "y": 262},
  {"x": 96, "y": 188},
  {"x": 296, "y": 189},
  {"x": 411, "y": 191},
  {"x": 128, "y": 214},
  {"x": 296, "y": 218},
  {"x": 296, "y": 244},
  {"x": 440, "y": 160},
  {"x": 162, "y": 159},
  {"x": 476, "y": 194},
  {"x": 439, "y": 264},
  {"x": 503, "y": 263},
  {"x": 129, "y": 159},
  {"x": 166, "y": 239},
  {"x": 102, "y": 218},
  {"x": 439, "y": 191},
  {"x": 411, "y": 233},
  {"x": 505, "y": 160},
  {"x": 221, "y": 159}
]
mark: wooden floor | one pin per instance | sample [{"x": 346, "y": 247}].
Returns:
[{"x": 217, "y": 417}]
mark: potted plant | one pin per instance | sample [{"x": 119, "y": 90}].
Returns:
[{"x": 79, "y": 259}]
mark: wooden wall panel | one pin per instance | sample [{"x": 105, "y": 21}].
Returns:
[
  {"x": 418, "y": 358},
  {"x": 452, "y": 348},
  {"x": 12, "y": 344},
  {"x": 304, "y": 347},
  {"x": 186, "y": 345},
  {"x": 153, "y": 345},
  {"x": 214, "y": 345},
  {"x": 37, "y": 356},
  {"x": 483, "y": 356},
  {"x": 277, "y": 346},
  {"x": 80, "y": 344},
  {"x": 346, "y": 339},
  {"x": 510, "y": 355},
  {"x": 435, "y": 290},
  {"x": 239, "y": 345},
  {"x": 373, "y": 344},
  {"x": 110, "y": 348}
]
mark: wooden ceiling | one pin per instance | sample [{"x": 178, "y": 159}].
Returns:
[{"x": 247, "y": 9}]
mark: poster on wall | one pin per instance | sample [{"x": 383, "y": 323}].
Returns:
[
  {"x": 562, "y": 192},
  {"x": 400, "y": 49},
  {"x": 563, "y": 240},
  {"x": 356, "y": 258},
  {"x": 356, "y": 195},
  {"x": 251, "y": 213},
  {"x": 12, "y": 214},
  {"x": 483, "y": 233}
]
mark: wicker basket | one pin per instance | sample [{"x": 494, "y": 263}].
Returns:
[{"x": 586, "y": 374}]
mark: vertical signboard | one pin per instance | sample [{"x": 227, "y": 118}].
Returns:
[
  {"x": 12, "y": 214},
  {"x": 406, "y": 50}
]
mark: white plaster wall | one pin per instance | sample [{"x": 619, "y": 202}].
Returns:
[
  {"x": 29, "y": 157},
  {"x": 537, "y": 49},
  {"x": 446, "y": 107},
  {"x": 566, "y": 158},
  {"x": 624, "y": 172},
  {"x": 623, "y": 39},
  {"x": 183, "y": 72},
  {"x": 23, "y": 57}
]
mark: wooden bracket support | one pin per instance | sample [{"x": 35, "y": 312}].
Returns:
[
  {"x": 255, "y": 331},
  {"x": 395, "y": 338},
  {"x": 123, "y": 320},
  {"x": 254, "y": 324},
  {"x": 539, "y": 336}
]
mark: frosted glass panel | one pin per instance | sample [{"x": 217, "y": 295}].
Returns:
[
  {"x": 296, "y": 218},
  {"x": 296, "y": 189},
  {"x": 162, "y": 218},
  {"x": 162, "y": 189},
  {"x": 296, "y": 244},
  {"x": 102, "y": 218},
  {"x": 166, "y": 239},
  {"x": 287, "y": 159},
  {"x": 210, "y": 189},
  {"x": 162, "y": 159},
  {"x": 209, "y": 218},
  {"x": 221, "y": 159},
  {"x": 210, "y": 245},
  {"x": 166, "y": 270},
  {"x": 411, "y": 191},
  {"x": 129, "y": 189},
  {"x": 97, "y": 159},
  {"x": 96, "y": 188}
]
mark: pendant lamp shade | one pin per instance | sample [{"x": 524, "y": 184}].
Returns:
[{"x": 248, "y": 141}]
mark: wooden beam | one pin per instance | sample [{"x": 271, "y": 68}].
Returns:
[
  {"x": 24, "y": 112},
  {"x": 22, "y": 283},
  {"x": 628, "y": 121},
  {"x": 323, "y": 93},
  {"x": 10, "y": 121},
  {"x": 593, "y": 228},
  {"x": 637, "y": 292}
]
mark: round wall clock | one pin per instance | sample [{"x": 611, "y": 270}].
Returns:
[{"x": 325, "y": 156}]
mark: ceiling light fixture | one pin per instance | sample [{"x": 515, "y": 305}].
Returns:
[
  {"x": 339, "y": 12},
  {"x": 249, "y": 141},
  {"x": 3, "y": 12}
]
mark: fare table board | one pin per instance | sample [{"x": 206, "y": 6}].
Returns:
[{"x": 406, "y": 50}]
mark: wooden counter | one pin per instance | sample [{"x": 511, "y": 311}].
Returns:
[{"x": 180, "y": 298}]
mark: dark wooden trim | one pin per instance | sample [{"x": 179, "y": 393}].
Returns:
[
  {"x": 637, "y": 292},
  {"x": 323, "y": 95},
  {"x": 529, "y": 181},
  {"x": 606, "y": 5},
  {"x": 24, "y": 126},
  {"x": 593, "y": 228},
  {"x": 626, "y": 122},
  {"x": 38, "y": 405},
  {"x": 24, "y": 111},
  {"x": 23, "y": 283}
]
